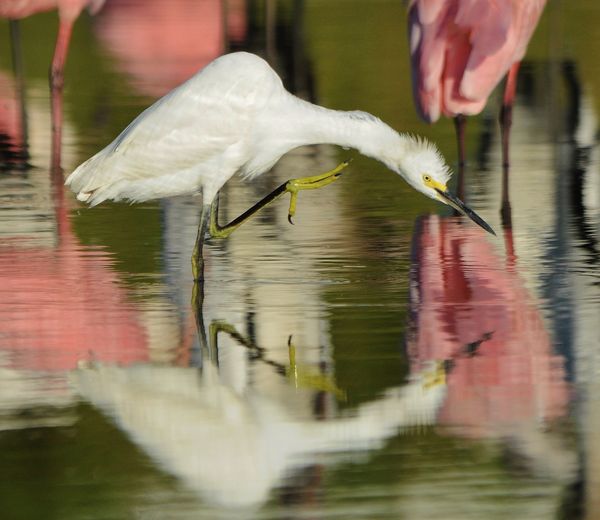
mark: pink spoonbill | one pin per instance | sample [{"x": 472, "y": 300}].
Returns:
[{"x": 460, "y": 51}]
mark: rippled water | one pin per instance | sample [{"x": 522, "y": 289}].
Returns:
[{"x": 379, "y": 359}]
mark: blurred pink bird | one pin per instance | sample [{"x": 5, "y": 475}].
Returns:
[
  {"x": 460, "y": 51},
  {"x": 68, "y": 11},
  {"x": 471, "y": 307},
  {"x": 192, "y": 35}
]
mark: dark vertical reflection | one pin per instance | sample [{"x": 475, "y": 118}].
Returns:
[
  {"x": 14, "y": 154},
  {"x": 19, "y": 73},
  {"x": 576, "y": 227},
  {"x": 580, "y": 168}
]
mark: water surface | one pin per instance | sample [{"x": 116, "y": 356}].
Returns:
[{"x": 380, "y": 359}]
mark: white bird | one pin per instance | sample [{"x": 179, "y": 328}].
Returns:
[{"x": 235, "y": 116}]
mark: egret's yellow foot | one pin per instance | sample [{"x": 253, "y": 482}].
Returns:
[
  {"x": 312, "y": 379},
  {"x": 434, "y": 376},
  {"x": 293, "y": 186}
]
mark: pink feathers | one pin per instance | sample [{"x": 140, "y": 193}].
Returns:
[
  {"x": 461, "y": 49},
  {"x": 67, "y": 9}
]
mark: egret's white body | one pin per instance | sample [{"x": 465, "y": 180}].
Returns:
[{"x": 234, "y": 116}]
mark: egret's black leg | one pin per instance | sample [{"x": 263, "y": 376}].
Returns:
[
  {"x": 198, "y": 272},
  {"x": 293, "y": 186}
]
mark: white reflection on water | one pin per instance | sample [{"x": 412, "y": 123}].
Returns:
[
  {"x": 60, "y": 303},
  {"x": 234, "y": 447},
  {"x": 264, "y": 280},
  {"x": 33, "y": 398}
]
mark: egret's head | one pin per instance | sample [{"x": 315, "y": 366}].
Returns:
[{"x": 425, "y": 169}]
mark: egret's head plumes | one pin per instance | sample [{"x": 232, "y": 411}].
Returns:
[{"x": 425, "y": 169}]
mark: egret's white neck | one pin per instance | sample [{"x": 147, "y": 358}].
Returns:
[{"x": 313, "y": 124}]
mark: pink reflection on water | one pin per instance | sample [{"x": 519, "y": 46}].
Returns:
[
  {"x": 161, "y": 44},
  {"x": 63, "y": 305},
  {"x": 470, "y": 306}
]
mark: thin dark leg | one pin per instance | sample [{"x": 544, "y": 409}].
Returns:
[
  {"x": 17, "y": 60},
  {"x": 57, "y": 72},
  {"x": 218, "y": 231},
  {"x": 293, "y": 186},
  {"x": 509, "y": 245},
  {"x": 198, "y": 273},
  {"x": 198, "y": 309},
  {"x": 505, "y": 125},
  {"x": 460, "y": 122}
]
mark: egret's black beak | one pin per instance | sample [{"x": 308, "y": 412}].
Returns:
[{"x": 460, "y": 206}]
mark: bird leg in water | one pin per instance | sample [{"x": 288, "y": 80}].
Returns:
[
  {"x": 303, "y": 377},
  {"x": 17, "y": 60},
  {"x": 209, "y": 215},
  {"x": 505, "y": 123},
  {"x": 460, "y": 122},
  {"x": 299, "y": 375},
  {"x": 197, "y": 258},
  {"x": 293, "y": 186},
  {"x": 57, "y": 75}
]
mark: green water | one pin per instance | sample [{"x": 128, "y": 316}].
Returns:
[{"x": 379, "y": 359}]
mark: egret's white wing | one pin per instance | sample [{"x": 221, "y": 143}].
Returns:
[{"x": 196, "y": 134}]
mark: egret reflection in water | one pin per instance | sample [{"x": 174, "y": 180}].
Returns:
[{"x": 234, "y": 448}]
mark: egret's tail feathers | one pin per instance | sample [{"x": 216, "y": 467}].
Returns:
[
  {"x": 84, "y": 196},
  {"x": 85, "y": 181}
]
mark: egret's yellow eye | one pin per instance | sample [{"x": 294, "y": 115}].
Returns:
[{"x": 430, "y": 182}]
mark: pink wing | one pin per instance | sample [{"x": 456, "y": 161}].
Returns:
[
  {"x": 427, "y": 20},
  {"x": 494, "y": 51},
  {"x": 461, "y": 49},
  {"x": 95, "y": 5},
  {"x": 24, "y": 8}
]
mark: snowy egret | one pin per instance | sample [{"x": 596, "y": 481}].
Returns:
[{"x": 235, "y": 116}]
